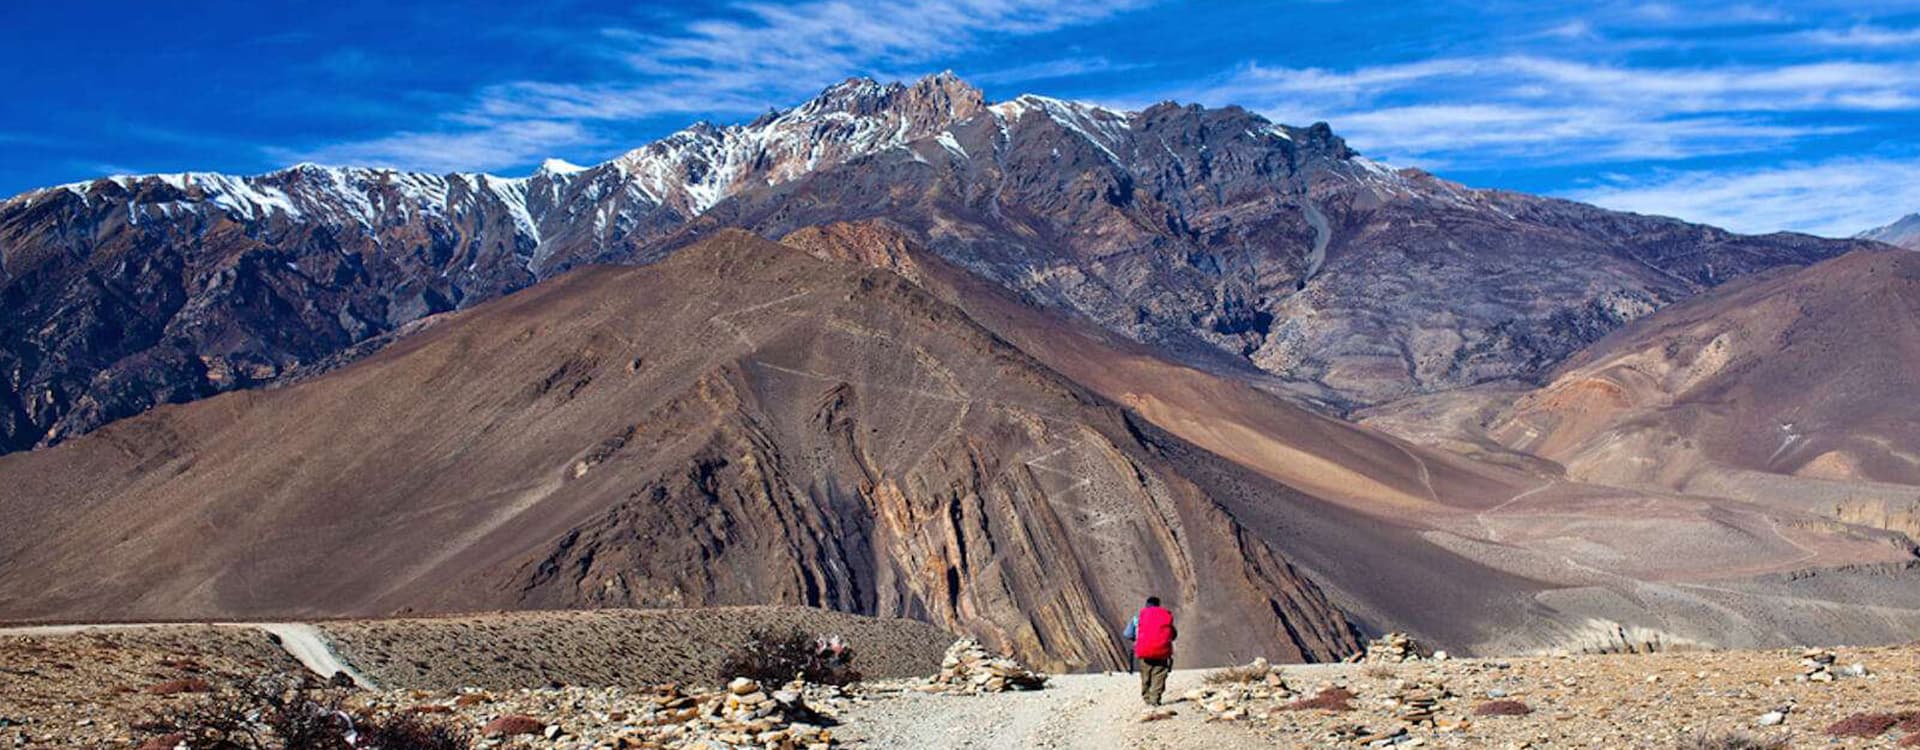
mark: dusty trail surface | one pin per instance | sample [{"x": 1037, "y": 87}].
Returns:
[{"x": 1090, "y": 711}]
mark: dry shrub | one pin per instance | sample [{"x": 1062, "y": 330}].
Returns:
[
  {"x": 1911, "y": 740},
  {"x": 176, "y": 687},
  {"x": 770, "y": 656},
  {"x": 1329, "y": 699},
  {"x": 279, "y": 713},
  {"x": 1862, "y": 725},
  {"x": 513, "y": 724},
  {"x": 1731, "y": 741},
  {"x": 1502, "y": 708},
  {"x": 1909, "y": 721},
  {"x": 1245, "y": 673}
]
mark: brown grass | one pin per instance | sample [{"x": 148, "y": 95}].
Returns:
[
  {"x": 1863, "y": 725},
  {"x": 1245, "y": 673},
  {"x": 1330, "y": 699},
  {"x": 1502, "y": 708}
]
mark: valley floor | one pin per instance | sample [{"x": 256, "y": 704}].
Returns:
[{"x": 93, "y": 687}]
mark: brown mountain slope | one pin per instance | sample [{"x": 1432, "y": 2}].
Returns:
[
  {"x": 1470, "y": 555},
  {"x": 740, "y": 424},
  {"x": 1809, "y": 374}
]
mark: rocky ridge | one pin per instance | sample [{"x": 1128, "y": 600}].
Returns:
[{"x": 1227, "y": 239}]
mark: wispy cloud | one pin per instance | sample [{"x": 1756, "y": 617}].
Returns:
[
  {"x": 1443, "y": 110},
  {"x": 1827, "y": 198},
  {"x": 1863, "y": 36},
  {"x": 759, "y": 55}
]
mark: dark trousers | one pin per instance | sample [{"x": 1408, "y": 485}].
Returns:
[{"x": 1153, "y": 679}]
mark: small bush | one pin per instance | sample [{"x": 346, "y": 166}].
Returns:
[
  {"x": 410, "y": 732},
  {"x": 1502, "y": 708},
  {"x": 1909, "y": 721},
  {"x": 773, "y": 657},
  {"x": 1330, "y": 699},
  {"x": 280, "y": 713},
  {"x": 1243, "y": 674},
  {"x": 1911, "y": 740},
  {"x": 1731, "y": 741},
  {"x": 1862, "y": 725}
]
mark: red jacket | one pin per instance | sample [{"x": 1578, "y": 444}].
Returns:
[{"x": 1155, "y": 634}]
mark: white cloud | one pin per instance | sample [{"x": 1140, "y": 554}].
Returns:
[
  {"x": 762, "y": 55},
  {"x": 1836, "y": 198},
  {"x": 1863, "y": 36},
  {"x": 1457, "y": 109},
  {"x": 487, "y": 148}
]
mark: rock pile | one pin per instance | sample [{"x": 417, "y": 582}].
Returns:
[
  {"x": 1418, "y": 703},
  {"x": 1253, "y": 691},
  {"x": 1818, "y": 665},
  {"x": 968, "y": 669},
  {"x": 1393, "y": 648},
  {"x": 744, "y": 714}
]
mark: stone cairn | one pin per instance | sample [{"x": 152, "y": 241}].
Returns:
[
  {"x": 1395, "y": 648},
  {"x": 743, "y": 715},
  {"x": 1418, "y": 702},
  {"x": 968, "y": 669},
  {"x": 1818, "y": 665},
  {"x": 1251, "y": 691}
]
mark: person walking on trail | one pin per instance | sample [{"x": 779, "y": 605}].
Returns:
[{"x": 1152, "y": 633}]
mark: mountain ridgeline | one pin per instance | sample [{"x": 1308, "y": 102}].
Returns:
[{"x": 1233, "y": 242}]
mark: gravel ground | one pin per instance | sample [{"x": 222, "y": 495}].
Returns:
[{"x": 1091, "y": 711}]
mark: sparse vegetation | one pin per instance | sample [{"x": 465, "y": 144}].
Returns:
[
  {"x": 1242, "y": 674},
  {"x": 1863, "y": 725},
  {"x": 281, "y": 713},
  {"x": 1731, "y": 741},
  {"x": 775, "y": 656},
  {"x": 1502, "y": 708},
  {"x": 1329, "y": 699}
]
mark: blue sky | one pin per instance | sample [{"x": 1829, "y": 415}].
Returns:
[{"x": 1755, "y": 116}]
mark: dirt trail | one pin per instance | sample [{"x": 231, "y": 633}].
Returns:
[{"x": 1074, "y": 712}]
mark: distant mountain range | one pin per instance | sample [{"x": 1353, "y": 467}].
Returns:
[
  {"x": 1905, "y": 233},
  {"x": 1232, "y": 241},
  {"x": 1004, "y": 367}
]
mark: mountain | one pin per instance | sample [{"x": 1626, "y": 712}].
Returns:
[
  {"x": 880, "y": 432},
  {"x": 738, "y": 424},
  {"x": 1794, "y": 387},
  {"x": 1905, "y": 233},
  {"x": 1271, "y": 251}
]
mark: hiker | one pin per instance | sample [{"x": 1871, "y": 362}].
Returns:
[{"x": 1152, "y": 633}]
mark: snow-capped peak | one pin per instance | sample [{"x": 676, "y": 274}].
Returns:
[{"x": 558, "y": 167}]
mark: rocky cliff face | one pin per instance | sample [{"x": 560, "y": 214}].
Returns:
[
  {"x": 1231, "y": 241},
  {"x": 739, "y": 424}
]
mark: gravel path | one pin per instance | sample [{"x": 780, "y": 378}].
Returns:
[{"x": 1090, "y": 711}]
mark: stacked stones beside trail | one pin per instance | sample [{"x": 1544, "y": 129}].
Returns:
[
  {"x": 1253, "y": 691},
  {"x": 1418, "y": 701},
  {"x": 744, "y": 714},
  {"x": 968, "y": 669},
  {"x": 1396, "y": 648}
]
